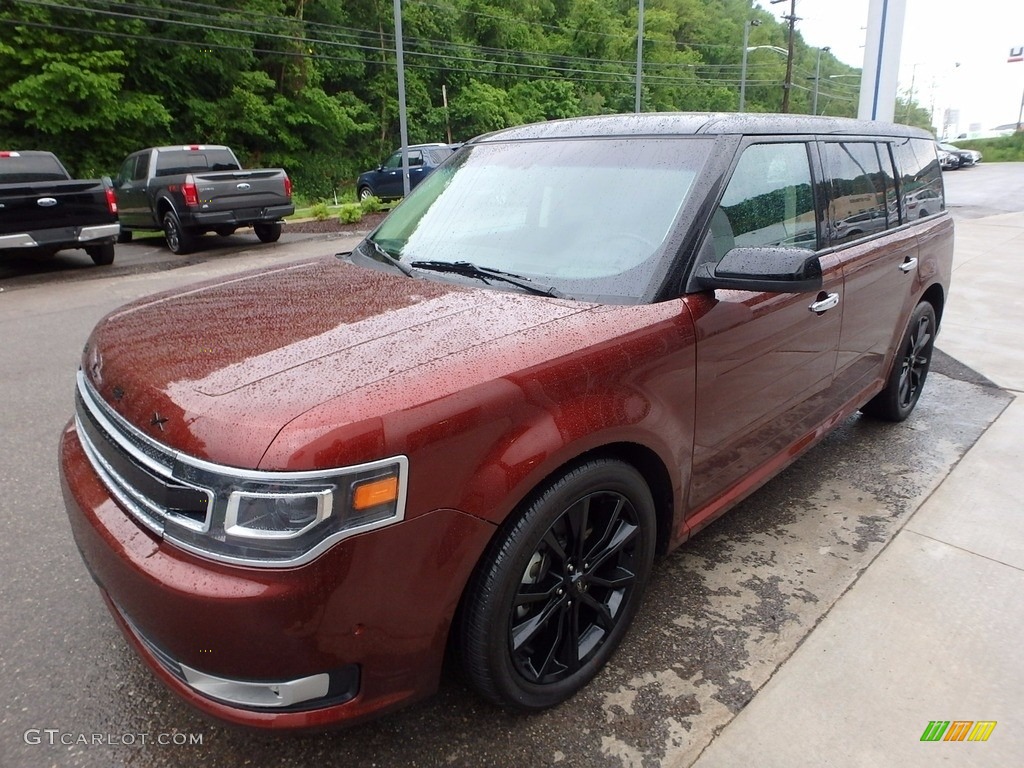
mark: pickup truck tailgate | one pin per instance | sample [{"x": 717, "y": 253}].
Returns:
[
  {"x": 46, "y": 205},
  {"x": 241, "y": 190}
]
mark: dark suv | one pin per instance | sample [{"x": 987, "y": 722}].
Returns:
[{"x": 385, "y": 181}]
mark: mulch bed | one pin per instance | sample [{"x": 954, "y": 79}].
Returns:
[{"x": 331, "y": 225}]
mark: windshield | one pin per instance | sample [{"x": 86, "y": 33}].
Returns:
[{"x": 585, "y": 216}]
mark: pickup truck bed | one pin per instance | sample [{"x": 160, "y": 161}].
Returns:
[{"x": 43, "y": 210}]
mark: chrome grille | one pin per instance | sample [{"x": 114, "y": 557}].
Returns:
[{"x": 137, "y": 470}]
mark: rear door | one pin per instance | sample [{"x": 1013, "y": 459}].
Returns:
[
  {"x": 130, "y": 187},
  {"x": 390, "y": 182},
  {"x": 765, "y": 361},
  {"x": 878, "y": 253}
]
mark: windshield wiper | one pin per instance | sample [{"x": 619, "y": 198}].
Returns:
[
  {"x": 486, "y": 274},
  {"x": 389, "y": 258}
]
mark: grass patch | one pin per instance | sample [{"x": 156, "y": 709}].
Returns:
[{"x": 1004, "y": 149}]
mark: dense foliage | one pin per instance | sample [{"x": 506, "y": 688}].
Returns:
[{"x": 311, "y": 85}]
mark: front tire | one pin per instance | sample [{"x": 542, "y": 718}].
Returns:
[
  {"x": 179, "y": 239},
  {"x": 559, "y": 587},
  {"x": 365, "y": 192},
  {"x": 101, "y": 255},
  {"x": 909, "y": 369},
  {"x": 268, "y": 232}
]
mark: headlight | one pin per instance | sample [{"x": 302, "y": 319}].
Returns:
[
  {"x": 288, "y": 518},
  {"x": 248, "y": 517}
]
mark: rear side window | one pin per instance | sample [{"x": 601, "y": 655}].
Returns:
[
  {"x": 439, "y": 154},
  {"x": 921, "y": 192},
  {"x": 769, "y": 201},
  {"x": 177, "y": 161},
  {"x": 140, "y": 167},
  {"x": 861, "y": 189}
]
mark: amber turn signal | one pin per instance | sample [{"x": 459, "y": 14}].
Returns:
[{"x": 375, "y": 492}]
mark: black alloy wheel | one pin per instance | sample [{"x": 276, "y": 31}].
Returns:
[
  {"x": 558, "y": 591},
  {"x": 179, "y": 241},
  {"x": 909, "y": 370}
]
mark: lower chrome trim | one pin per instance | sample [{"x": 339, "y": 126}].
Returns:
[
  {"x": 22, "y": 240},
  {"x": 248, "y": 694},
  {"x": 102, "y": 230}
]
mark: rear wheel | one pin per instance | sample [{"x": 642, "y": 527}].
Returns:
[
  {"x": 179, "y": 239},
  {"x": 268, "y": 232},
  {"x": 909, "y": 369},
  {"x": 559, "y": 587},
  {"x": 101, "y": 255}
]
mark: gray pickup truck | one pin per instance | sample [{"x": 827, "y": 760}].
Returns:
[
  {"x": 186, "y": 191},
  {"x": 43, "y": 209}
]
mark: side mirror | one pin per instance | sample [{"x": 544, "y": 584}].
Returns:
[{"x": 777, "y": 269}]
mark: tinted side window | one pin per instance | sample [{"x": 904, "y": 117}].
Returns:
[
  {"x": 439, "y": 155},
  {"x": 857, "y": 183},
  {"x": 892, "y": 204},
  {"x": 395, "y": 161},
  {"x": 769, "y": 200},
  {"x": 141, "y": 167},
  {"x": 921, "y": 192}
]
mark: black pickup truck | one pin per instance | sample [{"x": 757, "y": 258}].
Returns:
[
  {"x": 44, "y": 210},
  {"x": 186, "y": 191}
]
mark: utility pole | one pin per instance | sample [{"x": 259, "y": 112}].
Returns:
[
  {"x": 788, "y": 86},
  {"x": 403, "y": 125},
  {"x": 743, "y": 68},
  {"x": 639, "y": 55},
  {"x": 817, "y": 79}
]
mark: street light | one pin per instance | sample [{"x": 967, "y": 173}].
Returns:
[{"x": 743, "y": 69}]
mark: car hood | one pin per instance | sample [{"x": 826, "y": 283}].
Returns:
[{"x": 218, "y": 370}]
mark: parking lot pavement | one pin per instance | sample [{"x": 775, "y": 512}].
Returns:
[{"x": 932, "y": 631}]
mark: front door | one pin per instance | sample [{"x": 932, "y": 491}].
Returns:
[{"x": 765, "y": 361}]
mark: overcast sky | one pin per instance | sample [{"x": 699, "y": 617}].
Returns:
[{"x": 937, "y": 35}]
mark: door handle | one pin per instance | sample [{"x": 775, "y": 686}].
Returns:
[
  {"x": 823, "y": 305},
  {"x": 909, "y": 265}
]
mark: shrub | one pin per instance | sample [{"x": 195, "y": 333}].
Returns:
[
  {"x": 319, "y": 211},
  {"x": 371, "y": 204},
  {"x": 350, "y": 213}
]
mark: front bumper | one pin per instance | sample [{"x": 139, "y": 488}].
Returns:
[{"x": 372, "y": 613}]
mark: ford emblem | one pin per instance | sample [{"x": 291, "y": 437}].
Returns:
[
  {"x": 46, "y": 202},
  {"x": 243, "y": 185}
]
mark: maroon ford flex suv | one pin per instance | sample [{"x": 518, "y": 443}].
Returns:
[{"x": 570, "y": 348}]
